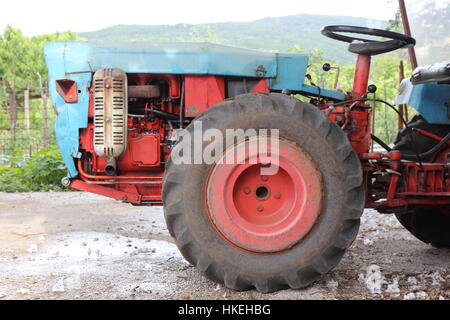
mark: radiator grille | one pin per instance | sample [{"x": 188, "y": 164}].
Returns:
[{"x": 110, "y": 112}]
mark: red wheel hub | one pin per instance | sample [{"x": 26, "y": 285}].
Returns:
[{"x": 264, "y": 213}]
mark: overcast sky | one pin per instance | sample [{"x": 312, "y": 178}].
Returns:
[{"x": 46, "y": 16}]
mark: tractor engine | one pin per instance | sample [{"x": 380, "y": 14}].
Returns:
[
  {"x": 130, "y": 131},
  {"x": 133, "y": 120}
]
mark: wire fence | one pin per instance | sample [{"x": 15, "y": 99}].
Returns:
[{"x": 26, "y": 126}]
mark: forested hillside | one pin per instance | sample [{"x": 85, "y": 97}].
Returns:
[
  {"x": 269, "y": 33},
  {"x": 429, "y": 22}
]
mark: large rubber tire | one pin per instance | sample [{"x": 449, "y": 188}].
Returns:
[
  {"x": 323, "y": 246},
  {"x": 430, "y": 225}
]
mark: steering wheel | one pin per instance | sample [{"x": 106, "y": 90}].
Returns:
[{"x": 366, "y": 46}]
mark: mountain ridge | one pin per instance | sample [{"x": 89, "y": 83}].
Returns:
[{"x": 270, "y": 33}]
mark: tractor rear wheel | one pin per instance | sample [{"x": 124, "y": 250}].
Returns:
[
  {"x": 251, "y": 230},
  {"x": 430, "y": 225}
]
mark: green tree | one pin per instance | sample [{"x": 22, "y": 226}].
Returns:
[
  {"x": 204, "y": 35},
  {"x": 396, "y": 24},
  {"x": 38, "y": 42},
  {"x": 22, "y": 66},
  {"x": 16, "y": 66}
]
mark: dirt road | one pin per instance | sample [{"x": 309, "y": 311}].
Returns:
[{"x": 81, "y": 246}]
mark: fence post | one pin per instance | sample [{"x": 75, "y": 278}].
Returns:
[
  {"x": 46, "y": 136},
  {"x": 26, "y": 95},
  {"x": 45, "y": 107},
  {"x": 12, "y": 101}
]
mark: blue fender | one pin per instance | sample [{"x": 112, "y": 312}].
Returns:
[{"x": 431, "y": 100}]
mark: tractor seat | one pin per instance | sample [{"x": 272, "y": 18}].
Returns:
[{"x": 436, "y": 72}]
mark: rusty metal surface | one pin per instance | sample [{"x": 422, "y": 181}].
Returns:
[{"x": 147, "y": 91}]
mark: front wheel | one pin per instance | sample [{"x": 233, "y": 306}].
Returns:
[{"x": 250, "y": 229}]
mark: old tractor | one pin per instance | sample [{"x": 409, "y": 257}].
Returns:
[{"x": 125, "y": 110}]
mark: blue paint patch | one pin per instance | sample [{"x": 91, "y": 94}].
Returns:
[
  {"x": 176, "y": 58},
  {"x": 335, "y": 95},
  {"x": 431, "y": 100},
  {"x": 291, "y": 71},
  {"x": 71, "y": 116}
]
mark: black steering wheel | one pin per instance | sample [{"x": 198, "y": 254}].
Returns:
[{"x": 367, "y": 46}]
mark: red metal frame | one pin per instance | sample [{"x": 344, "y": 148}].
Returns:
[
  {"x": 430, "y": 135},
  {"x": 408, "y": 184},
  {"x": 107, "y": 192},
  {"x": 361, "y": 79},
  {"x": 67, "y": 89},
  {"x": 202, "y": 92},
  {"x": 356, "y": 123}
]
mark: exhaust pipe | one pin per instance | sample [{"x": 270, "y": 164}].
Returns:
[{"x": 111, "y": 168}]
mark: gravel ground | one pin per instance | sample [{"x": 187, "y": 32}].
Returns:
[{"x": 81, "y": 246}]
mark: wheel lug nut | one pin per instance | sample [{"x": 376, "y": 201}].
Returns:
[
  {"x": 277, "y": 195},
  {"x": 264, "y": 178},
  {"x": 260, "y": 207},
  {"x": 247, "y": 190}
]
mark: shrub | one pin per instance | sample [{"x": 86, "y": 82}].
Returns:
[{"x": 41, "y": 172}]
